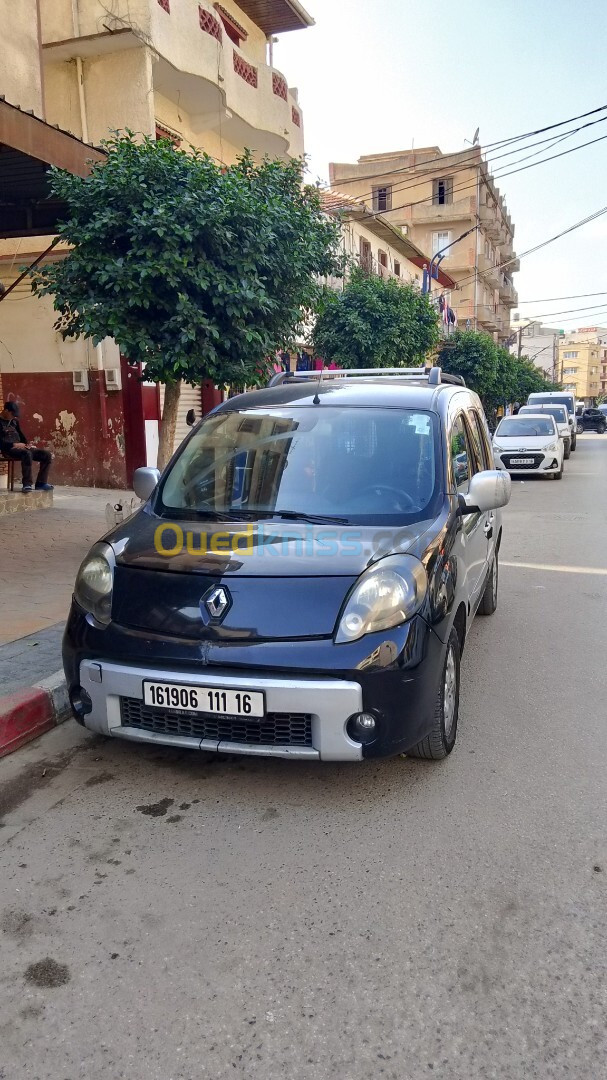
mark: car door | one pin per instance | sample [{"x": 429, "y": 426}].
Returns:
[
  {"x": 484, "y": 452},
  {"x": 473, "y": 539}
]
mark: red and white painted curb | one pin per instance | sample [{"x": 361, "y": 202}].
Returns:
[{"x": 27, "y": 713}]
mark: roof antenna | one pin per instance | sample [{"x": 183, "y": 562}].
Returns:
[{"x": 316, "y": 399}]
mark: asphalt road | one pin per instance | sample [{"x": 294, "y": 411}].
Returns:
[{"x": 166, "y": 918}]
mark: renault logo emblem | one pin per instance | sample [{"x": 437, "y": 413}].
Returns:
[{"x": 216, "y": 602}]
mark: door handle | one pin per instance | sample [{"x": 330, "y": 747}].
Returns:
[{"x": 488, "y": 527}]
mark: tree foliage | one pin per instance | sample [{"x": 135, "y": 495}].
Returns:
[
  {"x": 498, "y": 377},
  {"x": 195, "y": 269},
  {"x": 375, "y": 322}
]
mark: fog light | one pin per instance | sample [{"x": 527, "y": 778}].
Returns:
[
  {"x": 362, "y": 727},
  {"x": 80, "y": 702}
]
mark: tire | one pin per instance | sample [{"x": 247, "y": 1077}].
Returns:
[
  {"x": 558, "y": 475},
  {"x": 568, "y": 453},
  {"x": 488, "y": 602},
  {"x": 440, "y": 741}
]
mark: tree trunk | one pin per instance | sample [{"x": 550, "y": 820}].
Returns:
[{"x": 168, "y": 425}]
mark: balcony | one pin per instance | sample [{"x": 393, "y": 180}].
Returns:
[
  {"x": 432, "y": 213},
  {"x": 223, "y": 87},
  {"x": 491, "y": 221},
  {"x": 488, "y": 269},
  {"x": 487, "y": 318},
  {"x": 508, "y": 294}
]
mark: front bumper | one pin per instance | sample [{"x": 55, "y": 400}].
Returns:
[
  {"x": 541, "y": 462},
  {"x": 397, "y": 680}
]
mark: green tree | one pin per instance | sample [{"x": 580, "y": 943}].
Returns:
[
  {"x": 375, "y": 322},
  {"x": 474, "y": 357},
  {"x": 498, "y": 377},
  {"x": 197, "y": 271}
]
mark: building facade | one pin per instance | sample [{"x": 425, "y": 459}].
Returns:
[
  {"x": 538, "y": 343},
  {"x": 437, "y": 198},
  {"x": 582, "y": 362},
  {"x": 371, "y": 241},
  {"x": 198, "y": 72}
]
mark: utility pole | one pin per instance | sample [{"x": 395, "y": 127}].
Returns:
[{"x": 520, "y": 342}]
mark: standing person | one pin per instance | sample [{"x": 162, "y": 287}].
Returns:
[{"x": 15, "y": 447}]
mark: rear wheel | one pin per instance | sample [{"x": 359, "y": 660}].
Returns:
[
  {"x": 441, "y": 739},
  {"x": 567, "y": 451}
]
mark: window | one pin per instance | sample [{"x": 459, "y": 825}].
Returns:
[
  {"x": 382, "y": 258},
  {"x": 570, "y": 371},
  {"x": 481, "y": 441},
  {"x": 232, "y": 27},
  {"x": 440, "y": 240},
  {"x": 442, "y": 191},
  {"x": 366, "y": 259},
  {"x": 371, "y": 466},
  {"x": 570, "y": 356},
  {"x": 382, "y": 199},
  {"x": 396, "y": 268},
  {"x": 460, "y": 455}
]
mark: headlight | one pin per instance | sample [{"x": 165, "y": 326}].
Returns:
[
  {"x": 94, "y": 582},
  {"x": 552, "y": 446},
  {"x": 387, "y": 594},
  {"x": 498, "y": 449}
]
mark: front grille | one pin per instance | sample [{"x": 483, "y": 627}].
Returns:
[
  {"x": 537, "y": 460},
  {"x": 275, "y": 729}
]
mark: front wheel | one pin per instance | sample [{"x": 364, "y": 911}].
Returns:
[
  {"x": 567, "y": 452},
  {"x": 559, "y": 475},
  {"x": 441, "y": 739}
]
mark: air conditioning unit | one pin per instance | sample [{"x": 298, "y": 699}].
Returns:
[
  {"x": 113, "y": 380},
  {"x": 80, "y": 380}
]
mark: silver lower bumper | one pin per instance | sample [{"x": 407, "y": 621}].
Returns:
[{"x": 329, "y": 701}]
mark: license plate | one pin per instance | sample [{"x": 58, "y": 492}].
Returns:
[
  {"x": 204, "y": 699},
  {"x": 521, "y": 461}
]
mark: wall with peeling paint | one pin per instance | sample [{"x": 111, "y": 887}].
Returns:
[{"x": 70, "y": 424}]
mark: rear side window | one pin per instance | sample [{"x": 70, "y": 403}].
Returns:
[{"x": 481, "y": 443}]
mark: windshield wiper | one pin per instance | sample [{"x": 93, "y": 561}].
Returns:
[{"x": 297, "y": 515}]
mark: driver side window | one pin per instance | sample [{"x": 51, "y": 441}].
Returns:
[{"x": 461, "y": 458}]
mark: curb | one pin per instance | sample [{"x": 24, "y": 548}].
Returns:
[{"x": 26, "y": 714}]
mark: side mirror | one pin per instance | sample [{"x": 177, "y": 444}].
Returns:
[
  {"x": 190, "y": 418},
  {"x": 144, "y": 482},
  {"x": 488, "y": 490}
]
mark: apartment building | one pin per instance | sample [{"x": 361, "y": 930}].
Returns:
[
  {"x": 371, "y": 241},
  {"x": 437, "y": 199},
  {"x": 582, "y": 362},
  {"x": 537, "y": 342},
  {"x": 196, "y": 71}
]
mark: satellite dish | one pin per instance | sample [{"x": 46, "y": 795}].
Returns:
[{"x": 476, "y": 135}]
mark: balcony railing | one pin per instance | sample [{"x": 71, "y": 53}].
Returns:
[
  {"x": 487, "y": 316},
  {"x": 459, "y": 209}
]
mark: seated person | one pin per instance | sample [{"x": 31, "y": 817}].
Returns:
[{"x": 15, "y": 447}]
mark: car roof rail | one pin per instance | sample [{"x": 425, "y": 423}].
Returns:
[{"x": 434, "y": 376}]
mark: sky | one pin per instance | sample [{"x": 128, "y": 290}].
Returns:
[{"x": 384, "y": 75}]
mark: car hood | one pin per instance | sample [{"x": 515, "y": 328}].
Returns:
[{"x": 284, "y": 580}]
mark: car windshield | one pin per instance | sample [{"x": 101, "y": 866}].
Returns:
[
  {"x": 558, "y": 411},
  {"x": 543, "y": 399},
  {"x": 358, "y": 465},
  {"x": 524, "y": 426}
]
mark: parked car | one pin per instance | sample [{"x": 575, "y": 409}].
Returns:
[
  {"x": 529, "y": 443},
  {"x": 302, "y": 578},
  {"x": 558, "y": 397},
  {"x": 603, "y": 409},
  {"x": 593, "y": 420},
  {"x": 559, "y": 412}
]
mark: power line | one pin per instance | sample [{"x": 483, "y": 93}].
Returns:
[
  {"x": 474, "y": 160},
  {"x": 497, "y": 144},
  {"x": 548, "y": 299},
  {"x": 565, "y": 311}
]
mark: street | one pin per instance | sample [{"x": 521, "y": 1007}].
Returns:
[{"x": 168, "y": 917}]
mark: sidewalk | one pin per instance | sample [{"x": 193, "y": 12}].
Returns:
[{"x": 40, "y": 554}]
